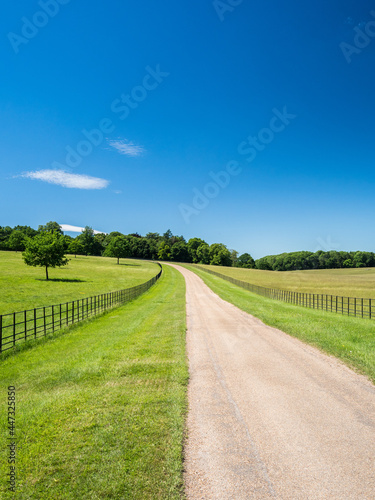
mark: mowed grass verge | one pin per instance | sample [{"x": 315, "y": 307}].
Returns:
[
  {"x": 100, "y": 411},
  {"x": 352, "y": 340},
  {"x": 24, "y": 287},
  {"x": 343, "y": 282}
]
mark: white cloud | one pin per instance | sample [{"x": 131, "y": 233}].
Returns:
[
  {"x": 76, "y": 229},
  {"x": 67, "y": 179},
  {"x": 125, "y": 147}
]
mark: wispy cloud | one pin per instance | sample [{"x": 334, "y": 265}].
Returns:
[
  {"x": 67, "y": 179},
  {"x": 125, "y": 147},
  {"x": 76, "y": 229}
]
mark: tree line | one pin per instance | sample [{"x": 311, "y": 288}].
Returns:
[
  {"x": 169, "y": 247},
  {"x": 153, "y": 246},
  {"x": 332, "y": 259}
]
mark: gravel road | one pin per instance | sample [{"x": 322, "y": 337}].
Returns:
[{"x": 270, "y": 417}]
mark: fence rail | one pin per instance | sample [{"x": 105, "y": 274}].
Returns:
[
  {"x": 35, "y": 323},
  {"x": 350, "y": 306}
]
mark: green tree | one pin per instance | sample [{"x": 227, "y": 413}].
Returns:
[
  {"x": 246, "y": 260},
  {"x": 234, "y": 257},
  {"x": 167, "y": 235},
  {"x": 220, "y": 255},
  {"x": 179, "y": 252},
  {"x": 26, "y": 230},
  {"x": 51, "y": 227},
  {"x": 348, "y": 263},
  {"x": 75, "y": 247},
  {"x": 153, "y": 236},
  {"x": 118, "y": 247},
  {"x": 265, "y": 263},
  {"x": 45, "y": 250},
  {"x": 363, "y": 259},
  {"x": 153, "y": 240},
  {"x": 67, "y": 240},
  {"x": 101, "y": 240},
  {"x": 203, "y": 253},
  {"x": 5, "y": 233},
  {"x": 17, "y": 240},
  {"x": 193, "y": 245},
  {"x": 221, "y": 258},
  {"x": 87, "y": 240},
  {"x": 164, "y": 252},
  {"x": 140, "y": 247}
]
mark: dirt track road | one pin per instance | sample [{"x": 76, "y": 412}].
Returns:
[{"x": 270, "y": 417}]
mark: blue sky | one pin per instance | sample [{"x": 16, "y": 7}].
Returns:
[{"x": 121, "y": 116}]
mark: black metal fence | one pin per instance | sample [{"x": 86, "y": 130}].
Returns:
[
  {"x": 350, "y": 306},
  {"x": 35, "y": 323}
]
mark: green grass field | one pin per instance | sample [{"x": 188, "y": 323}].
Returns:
[
  {"x": 343, "y": 282},
  {"x": 24, "y": 287},
  {"x": 351, "y": 340},
  {"x": 100, "y": 410}
]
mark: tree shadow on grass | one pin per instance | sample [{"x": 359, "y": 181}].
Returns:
[
  {"x": 62, "y": 280},
  {"x": 131, "y": 265}
]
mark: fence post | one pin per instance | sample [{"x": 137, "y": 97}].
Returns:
[
  {"x": 1, "y": 333},
  {"x": 369, "y": 308},
  {"x": 44, "y": 319},
  {"x": 14, "y": 329},
  {"x": 25, "y": 324},
  {"x": 34, "y": 323}
]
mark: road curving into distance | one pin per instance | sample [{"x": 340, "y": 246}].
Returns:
[{"x": 269, "y": 416}]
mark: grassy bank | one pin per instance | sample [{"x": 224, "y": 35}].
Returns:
[
  {"x": 100, "y": 410},
  {"x": 343, "y": 282},
  {"x": 350, "y": 339},
  {"x": 23, "y": 287}
]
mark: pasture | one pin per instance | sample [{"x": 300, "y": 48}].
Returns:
[
  {"x": 24, "y": 287},
  {"x": 100, "y": 410},
  {"x": 343, "y": 282}
]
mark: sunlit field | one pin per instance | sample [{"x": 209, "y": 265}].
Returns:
[
  {"x": 101, "y": 409},
  {"x": 24, "y": 287},
  {"x": 344, "y": 282}
]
